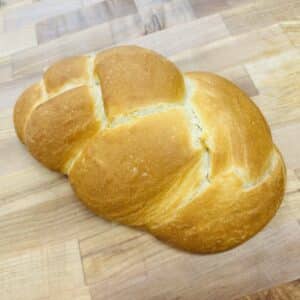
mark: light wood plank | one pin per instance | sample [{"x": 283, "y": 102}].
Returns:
[
  {"x": 5, "y": 69},
  {"x": 11, "y": 90},
  {"x": 6, "y": 5},
  {"x": 33, "y": 191},
  {"x": 166, "y": 42},
  {"x": 14, "y": 199},
  {"x": 149, "y": 3},
  {"x": 6, "y": 126},
  {"x": 126, "y": 28},
  {"x": 40, "y": 273},
  {"x": 277, "y": 79},
  {"x": 45, "y": 217},
  {"x": 118, "y": 31},
  {"x": 14, "y": 161},
  {"x": 31, "y": 13},
  {"x": 286, "y": 138},
  {"x": 233, "y": 51},
  {"x": 292, "y": 201},
  {"x": 1, "y": 23},
  {"x": 208, "y": 7},
  {"x": 259, "y": 14},
  {"x": 150, "y": 269},
  {"x": 292, "y": 29},
  {"x": 115, "y": 235},
  {"x": 15, "y": 41},
  {"x": 234, "y": 3},
  {"x": 36, "y": 59},
  {"x": 115, "y": 251},
  {"x": 86, "y": 17},
  {"x": 289, "y": 291},
  {"x": 90, "y": 2},
  {"x": 75, "y": 294},
  {"x": 241, "y": 78},
  {"x": 293, "y": 181},
  {"x": 163, "y": 16}
]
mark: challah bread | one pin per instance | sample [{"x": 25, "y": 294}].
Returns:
[{"x": 188, "y": 157}]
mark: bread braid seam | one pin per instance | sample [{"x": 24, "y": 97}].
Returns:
[
  {"x": 97, "y": 93},
  {"x": 196, "y": 132},
  {"x": 95, "y": 86},
  {"x": 142, "y": 112},
  {"x": 44, "y": 98},
  {"x": 272, "y": 162}
]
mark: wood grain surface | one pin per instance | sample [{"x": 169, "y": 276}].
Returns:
[{"x": 51, "y": 246}]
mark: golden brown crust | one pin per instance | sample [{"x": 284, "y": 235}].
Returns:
[
  {"x": 127, "y": 166},
  {"x": 59, "y": 127},
  {"x": 245, "y": 143},
  {"x": 190, "y": 160},
  {"x": 132, "y": 78},
  {"x": 226, "y": 213},
  {"x": 23, "y": 108},
  {"x": 72, "y": 70}
]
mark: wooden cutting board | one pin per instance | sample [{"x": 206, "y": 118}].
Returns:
[{"x": 51, "y": 246}]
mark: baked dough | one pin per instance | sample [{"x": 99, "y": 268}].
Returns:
[{"x": 188, "y": 157}]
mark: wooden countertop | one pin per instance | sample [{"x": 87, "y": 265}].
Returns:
[{"x": 51, "y": 247}]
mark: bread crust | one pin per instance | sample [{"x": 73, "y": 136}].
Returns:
[
  {"x": 71, "y": 70},
  {"x": 187, "y": 157},
  {"x": 134, "y": 77},
  {"x": 59, "y": 127}
]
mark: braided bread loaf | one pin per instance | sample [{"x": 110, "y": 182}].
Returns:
[{"x": 188, "y": 157}]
